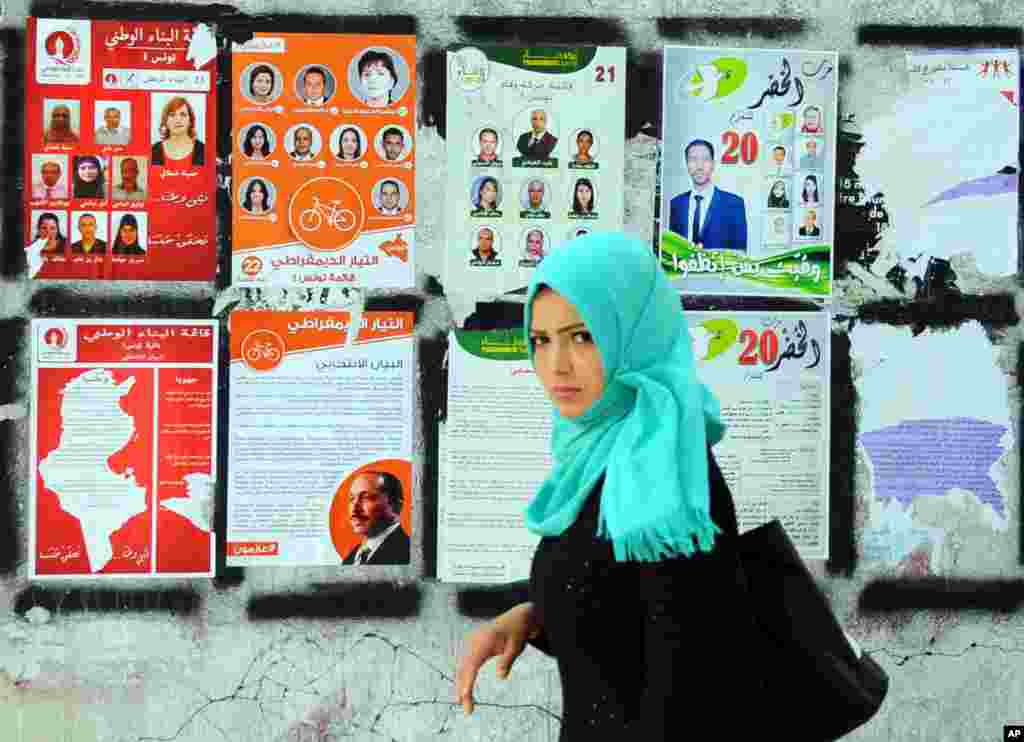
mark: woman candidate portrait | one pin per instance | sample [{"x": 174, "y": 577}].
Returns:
[
  {"x": 486, "y": 196},
  {"x": 777, "y": 196},
  {"x": 350, "y": 144},
  {"x": 256, "y": 143},
  {"x": 128, "y": 240},
  {"x": 262, "y": 84},
  {"x": 584, "y": 142},
  {"x": 89, "y": 177},
  {"x": 584, "y": 202},
  {"x": 257, "y": 199},
  {"x": 377, "y": 78},
  {"x": 809, "y": 195},
  {"x": 179, "y": 144},
  {"x": 48, "y": 228},
  {"x": 635, "y": 588}
]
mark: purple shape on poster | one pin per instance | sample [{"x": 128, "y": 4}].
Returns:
[
  {"x": 990, "y": 185},
  {"x": 917, "y": 458}
]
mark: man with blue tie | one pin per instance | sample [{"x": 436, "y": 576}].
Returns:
[{"x": 709, "y": 217}]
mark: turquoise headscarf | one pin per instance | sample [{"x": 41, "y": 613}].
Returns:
[{"x": 649, "y": 432}]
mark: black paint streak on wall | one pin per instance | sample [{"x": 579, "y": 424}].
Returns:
[
  {"x": 496, "y": 315},
  {"x": 12, "y": 349},
  {"x": 226, "y": 577},
  {"x": 433, "y": 89},
  {"x": 948, "y": 310},
  {"x": 842, "y": 559},
  {"x": 368, "y": 600},
  {"x": 433, "y": 385},
  {"x": 938, "y": 593},
  {"x": 939, "y": 37},
  {"x": 711, "y": 303},
  {"x": 10, "y": 441},
  {"x": 768, "y": 27},
  {"x": 60, "y": 302},
  {"x": 128, "y": 10},
  {"x": 241, "y": 27},
  {"x": 12, "y": 337},
  {"x": 180, "y": 601},
  {"x": 488, "y": 602},
  {"x": 13, "y": 44},
  {"x": 395, "y": 303},
  {"x": 643, "y": 93},
  {"x": 541, "y": 30}
]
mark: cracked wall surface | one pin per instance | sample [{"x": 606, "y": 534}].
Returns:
[{"x": 304, "y": 655}]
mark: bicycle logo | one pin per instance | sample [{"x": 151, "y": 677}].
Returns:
[
  {"x": 341, "y": 219},
  {"x": 262, "y": 350},
  {"x": 326, "y": 214}
]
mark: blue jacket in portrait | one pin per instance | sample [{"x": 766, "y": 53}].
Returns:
[{"x": 725, "y": 226}]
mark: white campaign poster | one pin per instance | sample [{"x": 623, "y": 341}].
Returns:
[
  {"x": 770, "y": 371},
  {"x": 314, "y": 420},
  {"x": 494, "y": 456},
  {"x": 535, "y": 157},
  {"x": 123, "y": 448}
]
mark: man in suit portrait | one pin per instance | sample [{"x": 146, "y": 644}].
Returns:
[
  {"x": 537, "y": 143},
  {"x": 303, "y": 139},
  {"x": 709, "y": 217},
  {"x": 375, "y": 508}
]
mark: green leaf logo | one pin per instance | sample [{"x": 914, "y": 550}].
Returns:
[{"x": 723, "y": 334}]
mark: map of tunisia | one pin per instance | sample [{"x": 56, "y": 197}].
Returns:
[{"x": 77, "y": 472}]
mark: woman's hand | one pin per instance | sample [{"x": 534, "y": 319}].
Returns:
[{"x": 504, "y": 638}]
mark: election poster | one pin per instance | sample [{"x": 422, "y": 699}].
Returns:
[
  {"x": 748, "y": 171},
  {"x": 123, "y": 448},
  {"x": 933, "y": 176},
  {"x": 535, "y": 157},
  {"x": 120, "y": 131},
  {"x": 495, "y": 453},
  {"x": 323, "y": 160},
  {"x": 770, "y": 372},
  {"x": 320, "y": 439}
]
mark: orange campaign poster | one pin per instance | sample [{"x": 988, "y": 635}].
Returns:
[
  {"x": 120, "y": 121},
  {"x": 323, "y": 160},
  {"x": 320, "y": 448},
  {"x": 123, "y": 447}
]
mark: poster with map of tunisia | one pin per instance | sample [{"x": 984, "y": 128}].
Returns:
[{"x": 123, "y": 432}]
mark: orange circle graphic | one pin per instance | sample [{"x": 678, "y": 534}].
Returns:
[
  {"x": 342, "y": 535},
  {"x": 251, "y": 265},
  {"x": 326, "y": 214},
  {"x": 263, "y": 350}
]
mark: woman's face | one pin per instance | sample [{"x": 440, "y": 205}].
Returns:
[
  {"x": 488, "y": 194},
  {"x": 258, "y": 139},
  {"x": 376, "y": 79},
  {"x": 584, "y": 142},
  {"x": 257, "y": 195},
  {"x": 129, "y": 234},
  {"x": 48, "y": 229},
  {"x": 349, "y": 144},
  {"x": 178, "y": 121},
  {"x": 262, "y": 84},
  {"x": 565, "y": 355},
  {"x": 778, "y": 190},
  {"x": 810, "y": 187},
  {"x": 584, "y": 194},
  {"x": 87, "y": 171}
]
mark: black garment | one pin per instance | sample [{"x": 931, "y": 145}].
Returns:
[
  {"x": 198, "y": 154},
  {"x": 393, "y": 550},
  {"x": 662, "y": 650}
]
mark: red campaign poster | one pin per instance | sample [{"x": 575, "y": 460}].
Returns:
[
  {"x": 120, "y": 131},
  {"x": 123, "y": 449}
]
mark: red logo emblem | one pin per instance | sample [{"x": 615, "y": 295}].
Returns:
[
  {"x": 55, "y": 338},
  {"x": 263, "y": 350},
  {"x": 63, "y": 47},
  {"x": 326, "y": 214}
]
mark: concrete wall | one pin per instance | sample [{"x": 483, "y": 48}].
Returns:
[{"x": 325, "y": 654}]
